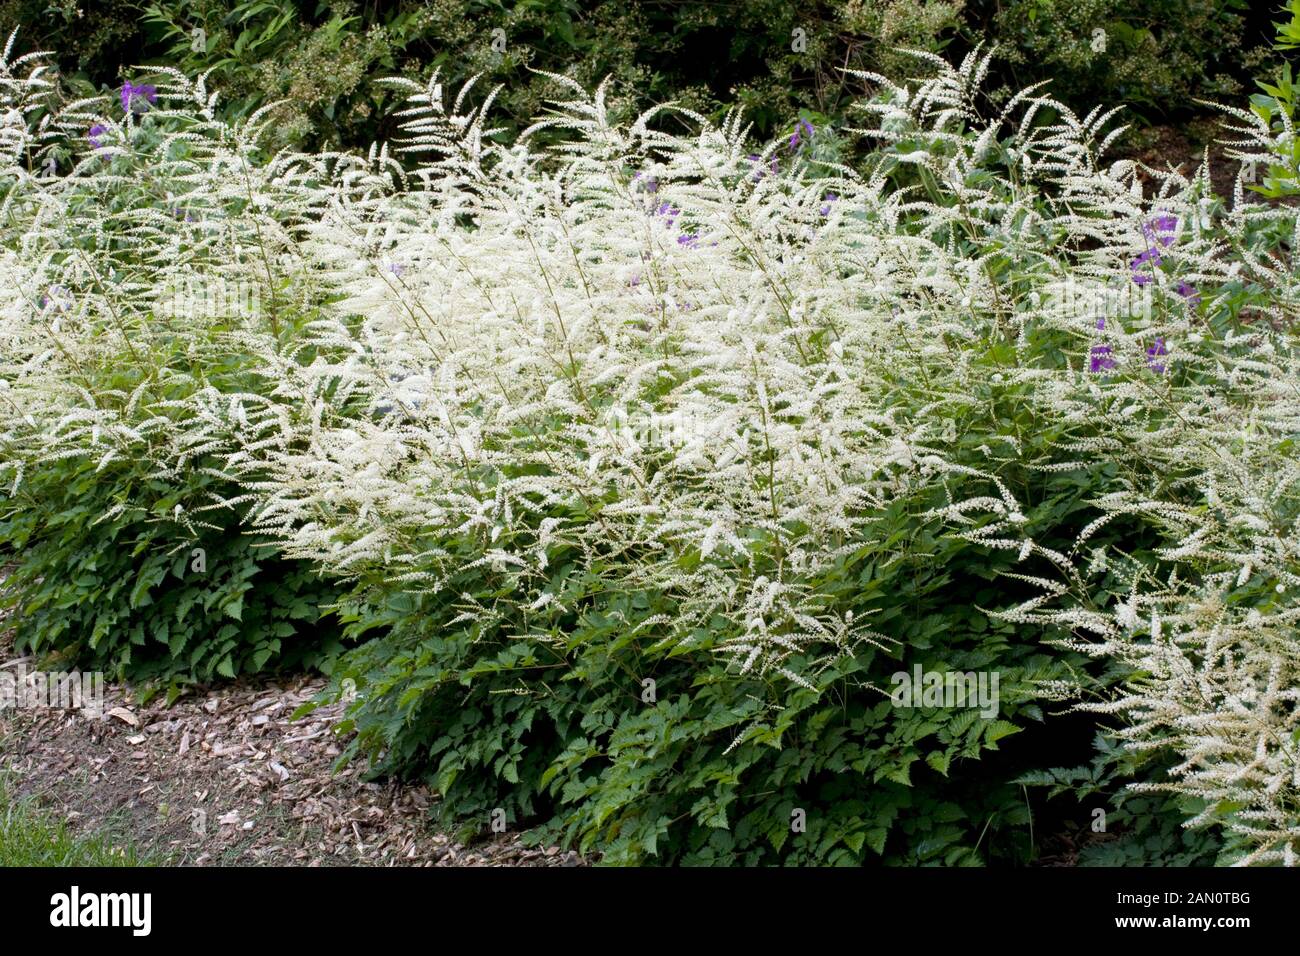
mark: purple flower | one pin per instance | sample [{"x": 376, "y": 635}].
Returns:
[
  {"x": 1101, "y": 323},
  {"x": 94, "y": 133},
  {"x": 1187, "y": 292},
  {"x": 396, "y": 268},
  {"x": 758, "y": 174},
  {"x": 830, "y": 198},
  {"x": 131, "y": 93},
  {"x": 669, "y": 212},
  {"x": 689, "y": 240},
  {"x": 1158, "y": 232},
  {"x": 58, "y": 297},
  {"x": 1155, "y": 351},
  {"x": 1100, "y": 360},
  {"x": 803, "y": 126},
  {"x": 1160, "y": 229},
  {"x": 648, "y": 183},
  {"x": 1152, "y": 256}
]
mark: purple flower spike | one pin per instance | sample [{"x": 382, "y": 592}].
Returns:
[
  {"x": 669, "y": 212},
  {"x": 1161, "y": 229},
  {"x": 1158, "y": 232},
  {"x": 1152, "y": 256},
  {"x": 1101, "y": 324},
  {"x": 94, "y": 133},
  {"x": 1187, "y": 292},
  {"x": 1153, "y": 353},
  {"x": 689, "y": 240},
  {"x": 802, "y": 129},
  {"x": 132, "y": 93},
  {"x": 830, "y": 198},
  {"x": 1100, "y": 360}
]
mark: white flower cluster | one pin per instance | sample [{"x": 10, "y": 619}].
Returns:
[{"x": 450, "y": 354}]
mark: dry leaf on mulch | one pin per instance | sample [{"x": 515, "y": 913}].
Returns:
[{"x": 225, "y": 777}]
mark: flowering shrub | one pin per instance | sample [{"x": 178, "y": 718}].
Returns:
[
  {"x": 649, "y": 459},
  {"x": 127, "y": 540}
]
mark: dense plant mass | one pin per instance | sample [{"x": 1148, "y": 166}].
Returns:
[
  {"x": 648, "y": 461},
  {"x": 323, "y": 61}
]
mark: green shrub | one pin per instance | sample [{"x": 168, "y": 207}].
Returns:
[
  {"x": 546, "y": 716},
  {"x": 321, "y": 61},
  {"x": 128, "y": 544},
  {"x": 556, "y": 724},
  {"x": 909, "y": 442},
  {"x": 1155, "y": 56},
  {"x": 107, "y": 576},
  {"x": 774, "y": 58}
]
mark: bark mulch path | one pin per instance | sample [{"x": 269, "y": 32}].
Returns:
[{"x": 225, "y": 777}]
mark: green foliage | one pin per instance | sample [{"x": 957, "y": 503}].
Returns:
[
  {"x": 771, "y": 57},
  {"x": 93, "y": 43},
  {"x": 547, "y": 716},
  {"x": 1275, "y": 106},
  {"x": 1156, "y": 56},
  {"x": 713, "y": 768},
  {"x": 1138, "y": 829},
  {"x": 321, "y": 60},
  {"x": 1288, "y": 32},
  {"x": 106, "y": 575}
]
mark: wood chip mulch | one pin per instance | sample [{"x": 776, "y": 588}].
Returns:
[{"x": 225, "y": 777}]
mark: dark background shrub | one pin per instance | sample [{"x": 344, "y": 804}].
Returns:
[{"x": 323, "y": 59}]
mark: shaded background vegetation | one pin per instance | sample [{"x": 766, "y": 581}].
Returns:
[{"x": 776, "y": 58}]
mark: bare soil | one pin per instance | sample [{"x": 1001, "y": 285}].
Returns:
[
  {"x": 224, "y": 776},
  {"x": 1185, "y": 148}
]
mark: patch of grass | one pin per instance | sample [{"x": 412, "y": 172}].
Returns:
[{"x": 31, "y": 837}]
